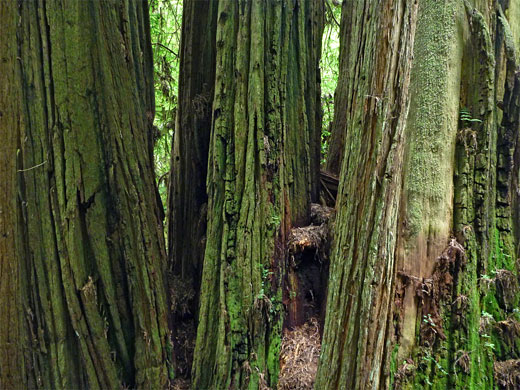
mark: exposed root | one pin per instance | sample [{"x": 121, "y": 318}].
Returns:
[
  {"x": 312, "y": 237},
  {"x": 299, "y": 357},
  {"x": 305, "y": 281},
  {"x": 510, "y": 329},
  {"x": 507, "y": 374}
]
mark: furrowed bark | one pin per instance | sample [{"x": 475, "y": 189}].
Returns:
[
  {"x": 423, "y": 283},
  {"x": 91, "y": 251},
  {"x": 262, "y": 177},
  {"x": 12, "y": 338},
  {"x": 363, "y": 259}
]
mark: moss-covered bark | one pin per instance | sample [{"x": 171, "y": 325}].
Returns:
[
  {"x": 12, "y": 336},
  {"x": 87, "y": 276},
  {"x": 262, "y": 176},
  {"x": 424, "y": 279}
]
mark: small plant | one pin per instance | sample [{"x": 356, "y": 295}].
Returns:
[
  {"x": 487, "y": 315},
  {"x": 488, "y": 344},
  {"x": 428, "y": 320},
  {"x": 261, "y": 294},
  {"x": 430, "y": 359},
  {"x": 465, "y": 116},
  {"x": 486, "y": 320},
  {"x": 262, "y": 298},
  {"x": 487, "y": 281},
  {"x": 276, "y": 220}
]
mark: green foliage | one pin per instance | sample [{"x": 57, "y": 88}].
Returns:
[
  {"x": 466, "y": 117},
  {"x": 329, "y": 65},
  {"x": 165, "y": 26}
]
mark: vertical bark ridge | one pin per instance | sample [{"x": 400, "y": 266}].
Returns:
[{"x": 12, "y": 336}]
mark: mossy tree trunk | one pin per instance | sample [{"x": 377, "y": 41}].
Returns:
[
  {"x": 83, "y": 286},
  {"x": 424, "y": 279},
  {"x": 262, "y": 177}
]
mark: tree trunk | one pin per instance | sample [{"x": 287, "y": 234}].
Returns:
[
  {"x": 187, "y": 197},
  {"x": 86, "y": 279},
  {"x": 423, "y": 282},
  {"x": 262, "y": 175},
  {"x": 187, "y": 192}
]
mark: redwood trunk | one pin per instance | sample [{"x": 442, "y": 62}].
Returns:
[
  {"x": 262, "y": 176},
  {"x": 86, "y": 276},
  {"x": 423, "y": 280}
]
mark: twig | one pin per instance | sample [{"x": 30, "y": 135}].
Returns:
[
  {"x": 28, "y": 169},
  {"x": 332, "y": 13},
  {"x": 167, "y": 48}
]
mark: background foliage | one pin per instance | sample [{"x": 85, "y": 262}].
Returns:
[
  {"x": 165, "y": 24},
  {"x": 329, "y": 65}
]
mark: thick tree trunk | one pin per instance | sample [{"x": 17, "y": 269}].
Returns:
[
  {"x": 87, "y": 276},
  {"x": 425, "y": 206},
  {"x": 262, "y": 175}
]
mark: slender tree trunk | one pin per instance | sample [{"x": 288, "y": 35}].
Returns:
[
  {"x": 187, "y": 197},
  {"x": 423, "y": 281},
  {"x": 187, "y": 192},
  {"x": 347, "y": 61},
  {"x": 87, "y": 273},
  {"x": 262, "y": 175}
]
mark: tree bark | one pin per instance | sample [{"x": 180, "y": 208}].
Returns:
[
  {"x": 187, "y": 192},
  {"x": 262, "y": 176},
  {"x": 187, "y": 196},
  {"x": 426, "y": 199},
  {"x": 87, "y": 273},
  {"x": 11, "y": 326}
]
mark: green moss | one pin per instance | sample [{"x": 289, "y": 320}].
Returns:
[{"x": 394, "y": 364}]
